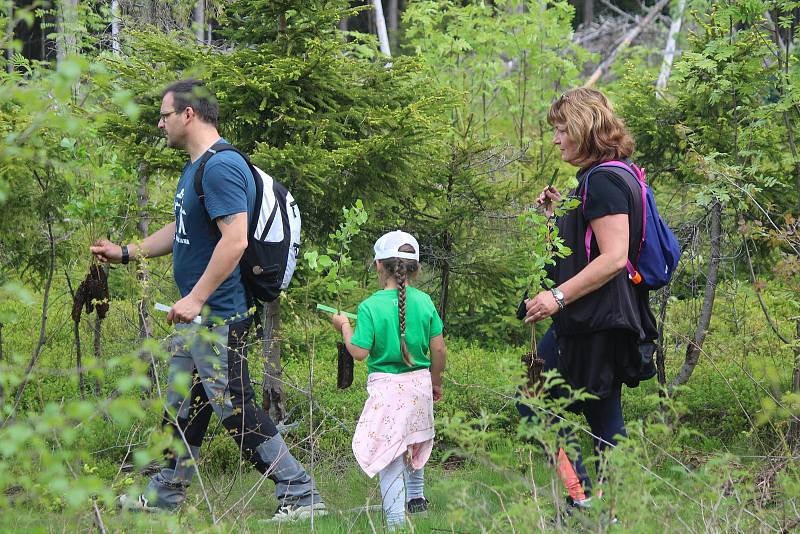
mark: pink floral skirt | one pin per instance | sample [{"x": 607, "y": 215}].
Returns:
[{"x": 397, "y": 419}]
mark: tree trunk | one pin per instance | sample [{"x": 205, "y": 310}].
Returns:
[
  {"x": 669, "y": 50},
  {"x": 67, "y": 41},
  {"x": 694, "y": 347},
  {"x": 76, "y": 332},
  {"x": 272, "y": 388},
  {"x": 199, "y": 21},
  {"x": 793, "y": 435},
  {"x": 380, "y": 22},
  {"x": 631, "y": 35},
  {"x": 10, "y": 36},
  {"x": 662, "y": 315},
  {"x": 143, "y": 273},
  {"x": 2, "y": 392},
  {"x": 795, "y": 156},
  {"x": 98, "y": 350},
  {"x": 444, "y": 293},
  {"x": 394, "y": 26},
  {"x": 115, "y": 26},
  {"x": 37, "y": 351},
  {"x": 447, "y": 247},
  {"x": 588, "y": 12},
  {"x": 776, "y": 31}
]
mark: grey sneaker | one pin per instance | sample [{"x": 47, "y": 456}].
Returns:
[
  {"x": 138, "y": 504},
  {"x": 294, "y": 512}
]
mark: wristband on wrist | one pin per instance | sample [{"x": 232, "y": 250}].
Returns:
[{"x": 125, "y": 255}]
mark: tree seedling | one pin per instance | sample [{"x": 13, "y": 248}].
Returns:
[
  {"x": 544, "y": 245},
  {"x": 331, "y": 266}
]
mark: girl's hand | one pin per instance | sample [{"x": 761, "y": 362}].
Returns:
[
  {"x": 436, "y": 383},
  {"x": 338, "y": 320},
  {"x": 540, "y": 307}
]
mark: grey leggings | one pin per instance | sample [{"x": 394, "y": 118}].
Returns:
[{"x": 399, "y": 484}]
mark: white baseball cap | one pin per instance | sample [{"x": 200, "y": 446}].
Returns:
[{"x": 388, "y": 246}]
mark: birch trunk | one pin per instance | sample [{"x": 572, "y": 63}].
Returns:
[
  {"x": 669, "y": 50},
  {"x": 380, "y": 22},
  {"x": 115, "y": 26}
]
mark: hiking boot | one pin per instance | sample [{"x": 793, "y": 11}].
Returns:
[
  {"x": 293, "y": 512},
  {"x": 138, "y": 504},
  {"x": 417, "y": 506},
  {"x": 583, "y": 504},
  {"x": 572, "y": 505}
]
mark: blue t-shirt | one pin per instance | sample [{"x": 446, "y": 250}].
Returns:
[{"x": 229, "y": 188}]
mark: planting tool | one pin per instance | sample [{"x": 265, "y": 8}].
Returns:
[
  {"x": 335, "y": 311},
  {"x": 165, "y": 308}
]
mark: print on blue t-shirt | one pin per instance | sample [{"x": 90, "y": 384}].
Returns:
[{"x": 229, "y": 189}]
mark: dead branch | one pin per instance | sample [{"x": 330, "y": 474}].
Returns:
[
  {"x": 763, "y": 304},
  {"x": 42, "y": 325},
  {"x": 631, "y": 35}
]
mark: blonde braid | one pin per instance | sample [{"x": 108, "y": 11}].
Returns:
[{"x": 400, "y": 276}]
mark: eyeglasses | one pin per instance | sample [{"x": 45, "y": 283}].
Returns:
[{"x": 163, "y": 116}]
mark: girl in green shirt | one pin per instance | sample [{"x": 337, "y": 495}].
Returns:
[{"x": 399, "y": 333}]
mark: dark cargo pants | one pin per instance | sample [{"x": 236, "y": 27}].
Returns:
[{"x": 213, "y": 362}]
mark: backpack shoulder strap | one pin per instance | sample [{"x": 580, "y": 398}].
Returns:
[
  {"x": 630, "y": 168},
  {"x": 639, "y": 176},
  {"x": 198, "y": 174}
]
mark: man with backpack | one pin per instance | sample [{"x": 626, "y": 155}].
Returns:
[{"x": 207, "y": 240}]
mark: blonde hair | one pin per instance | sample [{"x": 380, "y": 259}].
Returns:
[
  {"x": 590, "y": 122},
  {"x": 402, "y": 269}
]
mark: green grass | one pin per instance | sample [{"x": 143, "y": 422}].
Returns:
[
  {"x": 348, "y": 493},
  {"x": 510, "y": 489},
  {"x": 701, "y": 468}
]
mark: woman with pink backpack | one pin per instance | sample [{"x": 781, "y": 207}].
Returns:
[{"x": 602, "y": 321}]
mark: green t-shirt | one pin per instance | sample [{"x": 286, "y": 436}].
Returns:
[{"x": 378, "y": 330}]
